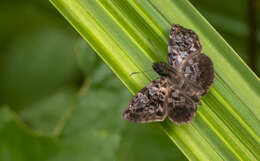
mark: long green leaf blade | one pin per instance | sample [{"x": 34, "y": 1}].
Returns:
[{"x": 130, "y": 35}]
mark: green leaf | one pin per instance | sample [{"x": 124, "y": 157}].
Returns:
[
  {"x": 46, "y": 116},
  {"x": 31, "y": 70},
  {"x": 130, "y": 35},
  {"x": 91, "y": 125},
  {"x": 86, "y": 57},
  {"x": 93, "y": 128},
  {"x": 147, "y": 142},
  {"x": 18, "y": 143}
]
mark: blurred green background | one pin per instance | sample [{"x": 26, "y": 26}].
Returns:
[{"x": 58, "y": 101}]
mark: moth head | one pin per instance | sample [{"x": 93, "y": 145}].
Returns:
[{"x": 161, "y": 68}]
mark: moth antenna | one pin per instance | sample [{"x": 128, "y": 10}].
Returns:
[
  {"x": 156, "y": 50},
  {"x": 141, "y": 72}
]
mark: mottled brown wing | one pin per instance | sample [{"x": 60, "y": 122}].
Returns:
[
  {"x": 199, "y": 70},
  {"x": 148, "y": 105},
  {"x": 181, "y": 108},
  {"x": 182, "y": 43}
]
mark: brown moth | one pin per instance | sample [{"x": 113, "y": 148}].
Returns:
[{"x": 182, "y": 82}]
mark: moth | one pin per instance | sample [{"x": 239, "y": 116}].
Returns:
[{"x": 182, "y": 82}]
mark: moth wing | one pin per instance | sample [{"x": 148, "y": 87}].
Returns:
[
  {"x": 182, "y": 43},
  {"x": 181, "y": 108},
  {"x": 199, "y": 70},
  {"x": 148, "y": 105}
]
